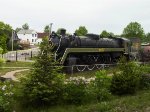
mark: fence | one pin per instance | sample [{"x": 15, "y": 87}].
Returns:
[{"x": 20, "y": 55}]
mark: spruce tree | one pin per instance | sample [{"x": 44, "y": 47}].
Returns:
[{"x": 45, "y": 82}]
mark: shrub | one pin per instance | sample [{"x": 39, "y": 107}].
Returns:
[
  {"x": 75, "y": 90},
  {"x": 102, "y": 84},
  {"x": 145, "y": 69},
  {"x": 79, "y": 90},
  {"x": 127, "y": 81},
  {"x": 145, "y": 81},
  {"x": 145, "y": 77},
  {"x": 6, "y": 96}
]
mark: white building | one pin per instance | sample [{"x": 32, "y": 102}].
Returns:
[{"x": 28, "y": 36}]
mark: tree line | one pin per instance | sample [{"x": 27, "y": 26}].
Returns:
[{"x": 133, "y": 29}]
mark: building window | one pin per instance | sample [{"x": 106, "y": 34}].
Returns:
[
  {"x": 32, "y": 40},
  {"x": 35, "y": 35},
  {"x": 32, "y": 35}
]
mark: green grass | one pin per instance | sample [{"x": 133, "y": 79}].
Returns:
[
  {"x": 17, "y": 64},
  {"x": 21, "y": 74},
  {"x": 3, "y": 71},
  {"x": 139, "y": 102}
]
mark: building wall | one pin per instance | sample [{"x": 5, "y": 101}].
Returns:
[
  {"x": 39, "y": 40},
  {"x": 32, "y": 38}
]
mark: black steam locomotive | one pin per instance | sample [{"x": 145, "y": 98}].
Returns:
[{"x": 88, "y": 50}]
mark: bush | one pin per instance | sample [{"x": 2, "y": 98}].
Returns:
[
  {"x": 127, "y": 81},
  {"x": 79, "y": 90},
  {"x": 102, "y": 84},
  {"x": 145, "y": 78},
  {"x": 145, "y": 81},
  {"x": 75, "y": 91},
  {"x": 6, "y": 96},
  {"x": 145, "y": 69}
]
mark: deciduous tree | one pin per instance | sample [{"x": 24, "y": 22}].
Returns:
[
  {"x": 133, "y": 29},
  {"x": 146, "y": 38},
  {"x": 46, "y": 29},
  {"x": 18, "y": 29},
  {"x": 104, "y": 34},
  {"x": 5, "y": 35},
  {"x": 81, "y": 31},
  {"x": 25, "y": 26},
  {"x": 59, "y": 29}
]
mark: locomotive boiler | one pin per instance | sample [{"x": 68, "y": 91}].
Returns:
[{"x": 88, "y": 50}]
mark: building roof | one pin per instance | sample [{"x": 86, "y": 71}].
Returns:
[
  {"x": 42, "y": 35},
  {"x": 26, "y": 31}
]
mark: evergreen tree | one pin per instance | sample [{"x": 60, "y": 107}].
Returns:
[{"x": 45, "y": 82}]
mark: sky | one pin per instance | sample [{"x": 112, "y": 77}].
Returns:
[{"x": 95, "y": 15}]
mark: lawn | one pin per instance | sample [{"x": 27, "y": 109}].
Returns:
[
  {"x": 139, "y": 102},
  {"x": 17, "y": 64},
  {"x": 22, "y": 74},
  {"x": 3, "y": 71}
]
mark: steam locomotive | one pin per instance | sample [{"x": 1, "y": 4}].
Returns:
[{"x": 88, "y": 50}]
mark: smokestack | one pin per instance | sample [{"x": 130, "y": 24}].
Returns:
[{"x": 63, "y": 32}]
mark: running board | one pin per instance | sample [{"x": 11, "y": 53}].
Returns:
[{"x": 88, "y": 50}]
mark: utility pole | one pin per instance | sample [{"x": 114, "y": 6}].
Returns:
[
  {"x": 12, "y": 40},
  {"x": 50, "y": 28}
]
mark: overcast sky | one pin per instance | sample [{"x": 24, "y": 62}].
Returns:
[{"x": 96, "y": 15}]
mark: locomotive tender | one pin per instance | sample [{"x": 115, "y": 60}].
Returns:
[{"x": 88, "y": 50}]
